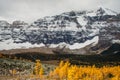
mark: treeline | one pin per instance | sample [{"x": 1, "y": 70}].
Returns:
[{"x": 98, "y": 60}]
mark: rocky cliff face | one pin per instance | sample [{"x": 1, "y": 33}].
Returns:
[{"x": 70, "y": 29}]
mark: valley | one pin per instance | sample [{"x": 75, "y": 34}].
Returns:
[{"x": 74, "y": 45}]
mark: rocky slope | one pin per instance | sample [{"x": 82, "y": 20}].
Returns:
[
  {"x": 73, "y": 30},
  {"x": 112, "y": 50}
]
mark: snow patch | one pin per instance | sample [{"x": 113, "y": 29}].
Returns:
[
  {"x": 9, "y": 44},
  {"x": 116, "y": 41},
  {"x": 82, "y": 20},
  {"x": 71, "y": 27},
  {"x": 81, "y": 45},
  {"x": 77, "y": 45},
  {"x": 91, "y": 13},
  {"x": 110, "y": 12}
]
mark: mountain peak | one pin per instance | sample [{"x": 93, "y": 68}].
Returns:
[
  {"x": 3, "y": 23},
  {"x": 100, "y": 11},
  {"x": 105, "y": 11},
  {"x": 74, "y": 28}
]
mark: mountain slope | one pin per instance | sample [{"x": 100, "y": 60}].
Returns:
[
  {"x": 73, "y": 30},
  {"x": 112, "y": 50}
]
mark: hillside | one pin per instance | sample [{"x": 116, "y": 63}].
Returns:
[{"x": 73, "y": 30}]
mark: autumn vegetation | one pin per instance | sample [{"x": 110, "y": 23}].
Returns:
[
  {"x": 38, "y": 70},
  {"x": 66, "y": 71}
]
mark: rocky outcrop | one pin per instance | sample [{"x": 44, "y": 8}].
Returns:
[{"x": 71, "y": 28}]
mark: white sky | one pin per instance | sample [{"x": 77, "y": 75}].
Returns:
[{"x": 31, "y": 10}]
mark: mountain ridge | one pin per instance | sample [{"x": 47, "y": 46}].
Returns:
[{"x": 71, "y": 28}]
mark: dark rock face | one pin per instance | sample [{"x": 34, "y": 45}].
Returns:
[
  {"x": 108, "y": 34},
  {"x": 113, "y": 49}
]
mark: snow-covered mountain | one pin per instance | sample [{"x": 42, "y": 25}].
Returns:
[{"x": 73, "y": 30}]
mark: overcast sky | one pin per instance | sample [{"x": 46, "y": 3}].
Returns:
[{"x": 31, "y": 10}]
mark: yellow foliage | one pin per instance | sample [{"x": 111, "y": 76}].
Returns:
[
  {"x": 38, "y": 69},
  {"x": 13, "y": 72},
  {"x": 65, "y": 71}
]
